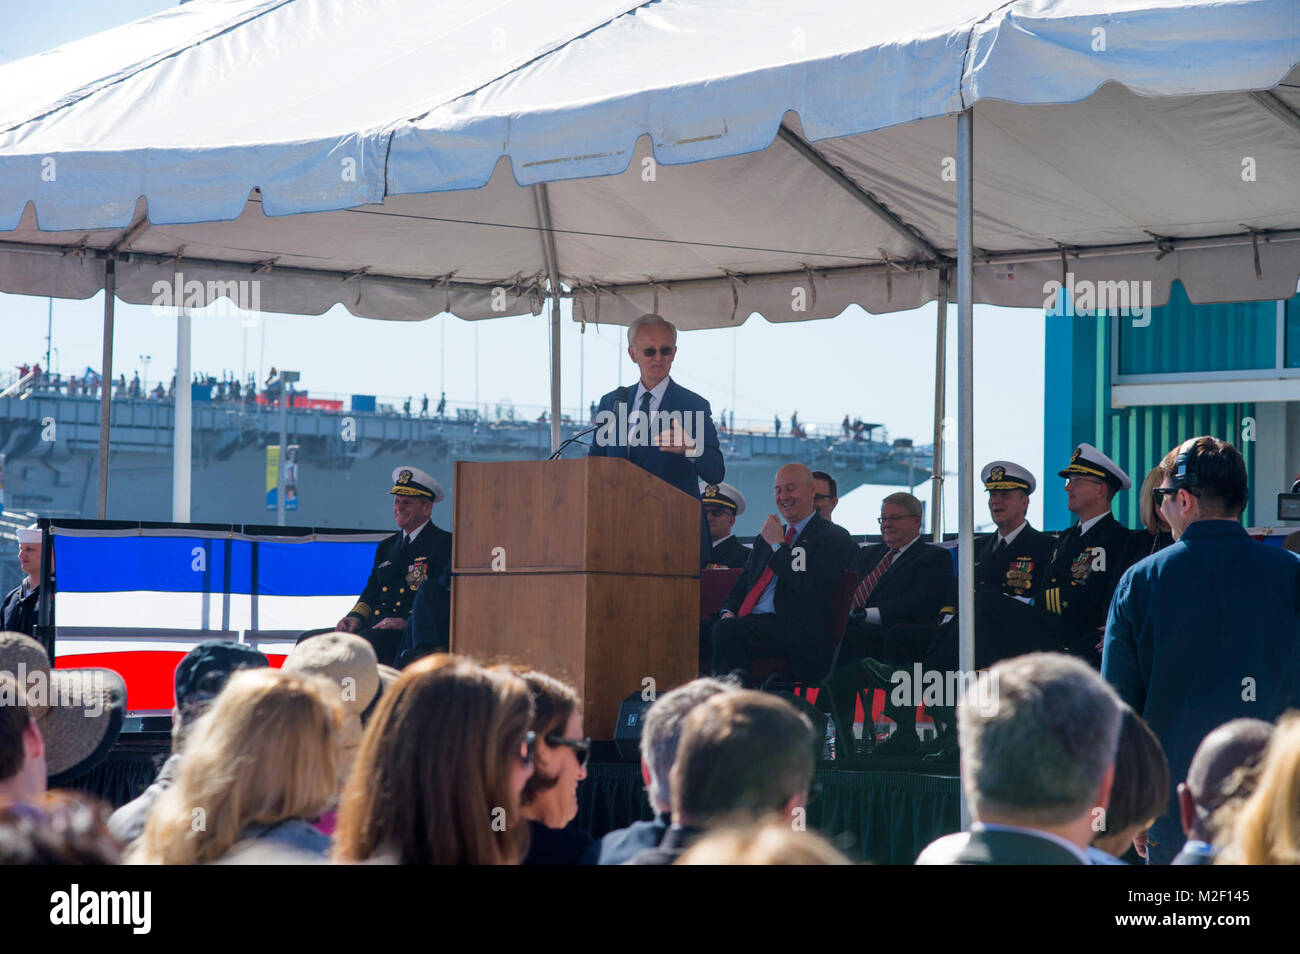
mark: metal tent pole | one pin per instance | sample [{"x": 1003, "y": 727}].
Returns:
[
  {"x": 284, "y": 454},
  {"x": 965, "y": 406},
  {"x": 182, "y": 422},
  {"x": 940, "y": 399},
  {"x": 106, "y": 381},
  {"x": 553, "y": 277}
]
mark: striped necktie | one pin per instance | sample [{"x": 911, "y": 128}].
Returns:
[{"x": 863, "y": 592}]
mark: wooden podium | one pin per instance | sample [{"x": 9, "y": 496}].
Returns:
[{"x": 587, "y": 570}]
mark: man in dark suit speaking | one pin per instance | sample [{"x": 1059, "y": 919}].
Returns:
[
  {"x": 658, "y": 424},
  {"x": 781, "y": 605}
]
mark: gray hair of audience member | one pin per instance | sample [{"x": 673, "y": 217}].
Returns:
[
  {"x": 1224, "y": 768},
  {"x": 1041, "y": 752},
  {"x": 661, "y": 731},
  {"x": 743, "y": 755},
  {"x": 905, "y": 500},
  {"x": 647, "y": 320}
]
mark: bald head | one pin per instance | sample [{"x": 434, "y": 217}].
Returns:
[
  {"x": 1233, "y": 746},
  {"x": 794, "y": 492}
]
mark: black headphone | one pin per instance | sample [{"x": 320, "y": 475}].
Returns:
[{"x": 1184, "y": 477}]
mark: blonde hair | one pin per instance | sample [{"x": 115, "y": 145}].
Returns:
[
  {"x": 772, "y": 842},
  {"x": 1265, "y": 829},
  {"x": 432, "y": 783},
  {"x": 1147, "y": 510},
  {"x": 266, "y": 752}
]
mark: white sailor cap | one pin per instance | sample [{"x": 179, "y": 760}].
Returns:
[
  {"x": 723, "y": 495},
  {"x": 1091, "y": 462},
  {"x": 1004, "y": 475},
  {"x": 31, "y": 535},
  {"x": 413, "y": 482}
]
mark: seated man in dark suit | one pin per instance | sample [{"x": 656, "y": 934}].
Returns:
[
  {"x": 661, "y": 734},
  {"x": 904, "y": 584},
  {"x": 781, "y": 605},
  {"x": 1037, "y": 761},
  {"x": 744, "y": 756}
]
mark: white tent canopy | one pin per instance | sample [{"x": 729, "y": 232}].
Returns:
[
  {"x": 705, "y": 159},
  {"x": 385, "y": 156}
]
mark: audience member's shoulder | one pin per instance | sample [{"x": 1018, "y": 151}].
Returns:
[{"x": 557, "y": 846}]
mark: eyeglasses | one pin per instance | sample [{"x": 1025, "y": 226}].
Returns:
[
  {"x": 664, "y": 352},
  {"x": 1075, "y": 479},
  {"x": 716, "y": 511},
  {"x": 1163, "y": 492},
  {"x": 896, "y": 519},
  {"x": 581, "y": 747},
  {"x": 821, "y": 496},
  {"x": 526, "y": 748}
]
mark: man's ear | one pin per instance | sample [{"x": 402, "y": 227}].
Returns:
[
  {"x": 794, "y": 802},
  {"x": 645, "y": 773},
  {"x": 1107, "y": 783},
  {"x": 33, "y": 741},
  {"x": 1186, "y": 808}
]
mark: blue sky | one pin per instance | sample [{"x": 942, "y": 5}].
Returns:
[{"x": 878, "y": 367}]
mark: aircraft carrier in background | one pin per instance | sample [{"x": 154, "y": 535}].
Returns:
[{"x": 345, "y": 456}]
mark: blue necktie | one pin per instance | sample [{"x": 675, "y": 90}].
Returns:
[{"x": 642, "y": 451}]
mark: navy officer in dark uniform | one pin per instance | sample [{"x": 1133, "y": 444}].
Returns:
[
  {"x": 1069, "y": 607},
  {"x": 723, "y": 503},
  {"x": 18, "y": 612},
  {"x": 1014, "y": 559},
  {"x": 419, "y": 550}
]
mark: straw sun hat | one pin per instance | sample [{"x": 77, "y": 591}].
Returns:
[{"x": 79, "y": 711}]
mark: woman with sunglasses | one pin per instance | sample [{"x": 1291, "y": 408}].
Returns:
[
  {"x": 550, "y": 798},
  {"x": 1155, "y": 534}
]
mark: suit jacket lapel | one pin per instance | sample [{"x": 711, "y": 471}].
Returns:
[
  {"x": 899, "y": 561},
  {"x": 669, "y": 401}
]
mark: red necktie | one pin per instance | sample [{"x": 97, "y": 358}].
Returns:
[
  {"x": 764, "y": 578},
  {"x": 863, "y": 592}
]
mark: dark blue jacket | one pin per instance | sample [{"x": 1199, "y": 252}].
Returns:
[
  {"x": 683, "y": 472},
  {"x": 1205, "y": 631},
  {"x": 624, "y": 844}
]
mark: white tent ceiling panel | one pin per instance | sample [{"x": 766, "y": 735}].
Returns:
[{"x": 368, "y": 131}]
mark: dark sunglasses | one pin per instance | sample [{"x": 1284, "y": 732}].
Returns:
[
  {"x": 526, "y": 748},
  {"x": 665, "y": 352},
  {"x": 1163, "y": 492},
  {"x": 581, "y": 747},
  {"x": 716, "y": 511}
]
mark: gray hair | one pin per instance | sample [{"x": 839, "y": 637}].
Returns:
[
  {"x": 661, "y": 731},
  {"x": 1040, "y": 752},
  {"x": 646, "y": 321},
  {"x": 906, "y": 500}
]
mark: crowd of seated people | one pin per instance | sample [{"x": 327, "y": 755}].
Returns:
[
  {"x": 458, "y": 763},
  {"x": 1104, "y": 709}
]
